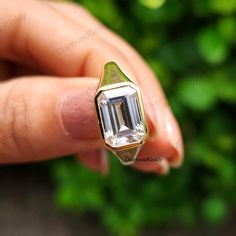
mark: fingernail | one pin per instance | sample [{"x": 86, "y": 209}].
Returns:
[
  {"x": 78, "y": 114},
  {"x": 104, "y": 161},
  {"x": 96, "y": 159},
  {"x": 174, "y": 137},
  {"x": 164, "y": 167}
]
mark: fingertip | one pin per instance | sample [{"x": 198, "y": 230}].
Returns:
[
  {"x": 96, "y": 160},
  {"x": 163, "y": 168}
]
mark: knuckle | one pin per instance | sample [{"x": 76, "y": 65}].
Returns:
[{"x": 14, "y": 122}]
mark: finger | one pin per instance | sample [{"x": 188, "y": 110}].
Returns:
[
  {"x": 168, "y": 139},
  {"x": 146, "y": 164},
  {"x": 10, "y": 69},
  {"x": 4, "y": 70},
  {"x": 45, "y": 117},
  {"x": 51, "y": 51},
  {"x": 96, "y": 159}
]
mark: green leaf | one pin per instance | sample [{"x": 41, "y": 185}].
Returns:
[
  {"x": 167, "y": 12},
  {"x": 214, "y": 209},
  {"x": 186, "y": 214},
  {"x": 105, "y": 10},
  {"x": 197, "y": 93},
  {"x": 213, "y": 48},
  {"x": 222, "y": 6},
  {"x": 224, "y": 86},
  {"x": 227, "y": 28},
  {"x": 201, "y": 7},
  {"x": 153, "y": 4}
]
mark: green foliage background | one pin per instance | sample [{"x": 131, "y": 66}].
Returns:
[{"x": 190, "y": 44}]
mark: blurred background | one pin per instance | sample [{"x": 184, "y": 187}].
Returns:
[{"x": 190, "y": 44}]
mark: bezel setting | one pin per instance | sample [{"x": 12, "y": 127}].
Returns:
[{"x": 120, "y": 112}]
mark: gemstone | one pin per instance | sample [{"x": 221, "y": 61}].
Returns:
[{"x": 120, "y": 112}]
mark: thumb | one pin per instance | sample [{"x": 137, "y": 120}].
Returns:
[{"x": 45, "y": 117}]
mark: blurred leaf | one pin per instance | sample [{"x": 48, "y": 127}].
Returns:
[
  {"x": 186, "y": 215},
  {"x": 212, "y": 46},
  {"x": 79, "y": 189},
  {"x": 222, "y": 6},
  {"x": 227, "y": 28},
  {"x": 201, "y": 7},
  {"x": 152, "y": 3},
  {"x": 105, "y": 10},
  {"x": 226, "y": 142},
  {"x": 224, "y": 86},
  {"x": 161, "y": 72},
  {"x": 167, "y": 12},
  {"x": 197, "y": 93},
  {"x": 214, "y": 209},
  {"x": 180, "y": 54}
]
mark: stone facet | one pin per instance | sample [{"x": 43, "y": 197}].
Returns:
[{"x": 120, "y": 111}]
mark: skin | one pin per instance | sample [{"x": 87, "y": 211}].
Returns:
[{"x": 49, "y": 56}]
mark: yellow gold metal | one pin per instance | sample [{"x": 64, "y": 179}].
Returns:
[{"x": 112, "y": 77}]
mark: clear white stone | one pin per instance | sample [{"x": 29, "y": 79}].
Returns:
[{"x": 120, "y": 112}]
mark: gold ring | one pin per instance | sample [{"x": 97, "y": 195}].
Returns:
[{"x": 120, "y": 112}]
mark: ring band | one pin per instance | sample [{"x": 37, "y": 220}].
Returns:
[{"x": 120, "y": 112}]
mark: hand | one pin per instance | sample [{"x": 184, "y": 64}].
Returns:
[{"x": 52, "y": 55}]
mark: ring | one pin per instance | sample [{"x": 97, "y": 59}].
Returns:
[{"x": 120, "y": 112}]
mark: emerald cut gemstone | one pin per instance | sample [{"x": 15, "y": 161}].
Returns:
[{"x": 120, "y": 112}]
